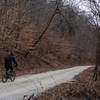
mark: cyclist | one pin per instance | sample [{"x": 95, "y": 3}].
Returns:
[{"x": 9, "y": 61}]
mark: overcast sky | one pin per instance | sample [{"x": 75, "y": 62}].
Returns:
[{"x": 82, "y": 5}]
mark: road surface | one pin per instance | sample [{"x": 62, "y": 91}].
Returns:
[{"x": 29, "y": 84}]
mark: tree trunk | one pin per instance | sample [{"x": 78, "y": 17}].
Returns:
[{"x": 97, "y": 68}]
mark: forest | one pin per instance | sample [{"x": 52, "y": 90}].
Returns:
[
  {"x": 48, "y": 35},
  {"x": 69, "y": 37}
]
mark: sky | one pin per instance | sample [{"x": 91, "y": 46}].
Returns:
[{"x": 82, "y": 5}]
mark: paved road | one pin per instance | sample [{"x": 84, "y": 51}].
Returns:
[{"x": 29, "y": 84}]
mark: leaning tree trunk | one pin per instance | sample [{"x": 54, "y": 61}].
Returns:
[{"x": 97, "y": 68}]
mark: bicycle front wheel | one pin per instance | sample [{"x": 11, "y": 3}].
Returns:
[{"x": 12, "y": 76}]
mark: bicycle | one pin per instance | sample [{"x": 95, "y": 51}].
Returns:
[{"x": 11, "y": 75}]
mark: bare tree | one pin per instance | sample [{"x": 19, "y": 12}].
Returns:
[{"x": 95, "y": 20}]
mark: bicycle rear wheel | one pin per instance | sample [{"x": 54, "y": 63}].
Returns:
[
  {"x": 4, "y": 78},
  {"x": 12, "y": 76}
]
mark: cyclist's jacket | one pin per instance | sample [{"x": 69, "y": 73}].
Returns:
[{"x": 9, "y": 60}]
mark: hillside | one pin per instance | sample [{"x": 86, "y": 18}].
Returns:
[{"x": 64, "y": 43}]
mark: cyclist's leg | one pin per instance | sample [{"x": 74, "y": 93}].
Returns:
[{"x": 7, "y": 74}]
